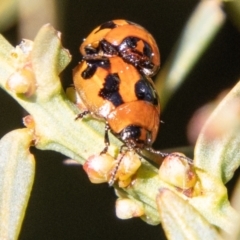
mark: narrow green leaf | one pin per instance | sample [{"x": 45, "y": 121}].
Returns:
[
  {"x": 181, "y": 221},
  {"x": 17, "y": 169},
  {"x": 216, "y": 158},
  {"x": 217, "y": 148},
  {"x": 235, "y": 201},
  {"x": 49, "y": 58},
  {"x": 6, "y": 62},
  {"x": 52, "y": 112},
  {"x": 212, "y": 202},
  {"x": 200, "y": 29}
]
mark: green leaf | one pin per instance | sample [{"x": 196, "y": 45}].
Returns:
[
  {"x": 49, "y": 58},
  {"x": 17, "y": 169},
  {"x": 216, "y": 158},
  {"x": 217, "y": 148},
  {"x": 198, "y": 33},
  {"x": 235, "y": 201},
  {"x": 181, "y": 221},
  {"x": 6, "y": 61},
  {"x": 52, "y": 112}
]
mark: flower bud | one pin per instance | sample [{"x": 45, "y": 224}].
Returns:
[
  {"x": 22, "y": 81},
  {"x": 98, "y": 167},
  {"x": 177, "y": 171},
  {"x": 21, "y": 54},
  {"x": 127, "y": 208},
  {"x": 28, "y": 122},
  {"x": 128, "y": 166}
]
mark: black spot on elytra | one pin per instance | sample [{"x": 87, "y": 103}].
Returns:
[
  {"x": 108, "y": 48},
  {"x": 92, "y": 65},
  {"x": 145, "y": 91},
  {"x": 109, "y": 24},
  {"x": 129, "y": 42},
  {"x": 110, "y": 90},
  {"x": 141, "y": 59},
  {"x": 147, "y": 50}
]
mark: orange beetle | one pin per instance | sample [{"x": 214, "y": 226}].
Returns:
[
  {"x": 114, "y": 84},
  {"x": 114, "y": 90},
  {"x": 126, "y": 39}
]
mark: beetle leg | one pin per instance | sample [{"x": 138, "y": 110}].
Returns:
[
  {"x": 162, "y": 154},
  {"x": 150, "y": 149},
  {"x": 114, "y": 171},
  {"x": 82, "y": 114},
  {"x": 106, "y": 139},
  {"x": 189, "y": 160},
  {"x": 122, "y": 148}
]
